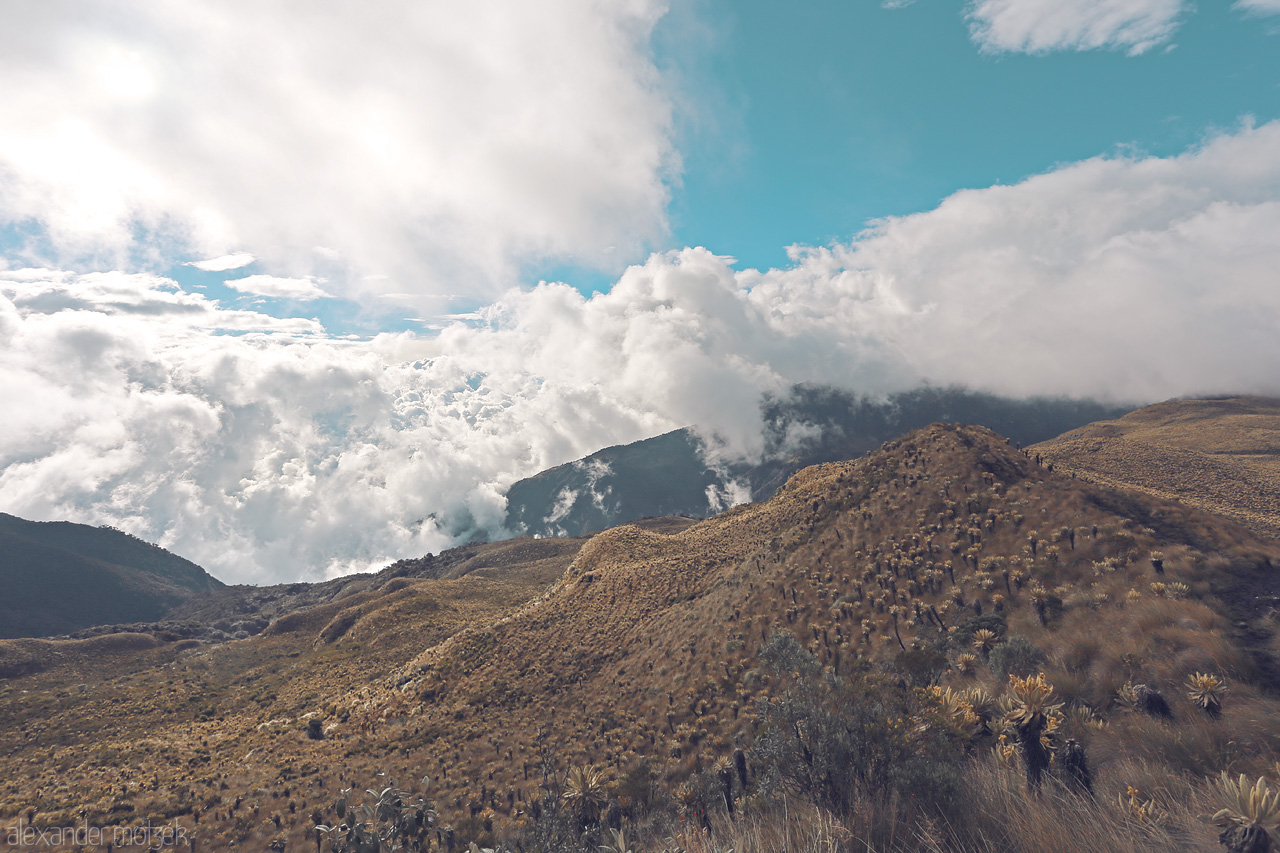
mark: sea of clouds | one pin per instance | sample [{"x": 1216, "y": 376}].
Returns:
[
  {"x": 267, "y": 449},
  {"x": 430, "y": 150}
]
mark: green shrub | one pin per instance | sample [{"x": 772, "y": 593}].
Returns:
[
  {"x": 921, "y": 667},
  {"x": 962, "y": 637},
  {"x": 1016, "y": 656}
]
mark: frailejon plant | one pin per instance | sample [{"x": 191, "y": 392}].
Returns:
[
  {"x": 1144, "y": 698},
  {"x": 1206, "y": 690},
  {"x": 984, "y": 640},
  {"x": 1074, "y": 767},
  {"x": 1251, "y": 813},
  {"x": 585, "y": 794},
  {"x": 984, "y": 706},
  {"x": 1081, "y": 718},
  {"x": 1033, "y": 715},
  {"x": 723, "y": 769},
  {"x": 955, "y": 710}
]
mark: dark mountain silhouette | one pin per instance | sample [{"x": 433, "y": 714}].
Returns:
[{"x": 59, "y": 577}]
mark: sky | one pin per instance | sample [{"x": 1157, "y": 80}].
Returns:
[{"x": 298, "y": 289}]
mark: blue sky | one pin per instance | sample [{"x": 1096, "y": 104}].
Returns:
[
  {"x": 296, "y": 289},
  {"x": 813, "y": 120}
]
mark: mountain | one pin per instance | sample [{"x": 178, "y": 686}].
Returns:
[
  {"x": 670, "y": 474},
  {"x": 59, "y": 577},
  {"x": 660, "y": 476},
  {"x": 872, "y": 611},
  {"x": 1222, "y": 455}
]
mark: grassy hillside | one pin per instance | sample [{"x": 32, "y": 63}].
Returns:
[
  {"x": 827, "y": 670},
  {"x": 1222, "y": 455},
  {"x": 59, "y": 577}
]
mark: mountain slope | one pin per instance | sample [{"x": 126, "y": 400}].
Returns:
[
  {"x": 670, "y": 474},
  {"x": 644, "y": 652},
  {"x": 1222, "y": 455},
  {"x": 59, "y": 577},
  {"x": 659, "y": 476}
]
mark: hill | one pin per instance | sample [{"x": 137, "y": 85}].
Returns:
[
  {"x": 59, "y": 577},
  {"x": 1222, "y": 455},
  {"x": 852, "y": 639},
  {"x": 671, "y": 474}
]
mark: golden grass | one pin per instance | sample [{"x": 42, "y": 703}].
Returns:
[{"x": 1220, "y": 455}]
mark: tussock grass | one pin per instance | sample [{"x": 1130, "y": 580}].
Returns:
[{"x": 1220, "y": 455}]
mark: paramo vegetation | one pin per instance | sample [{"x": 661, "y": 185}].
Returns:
[{"x": 941, "y": 646}]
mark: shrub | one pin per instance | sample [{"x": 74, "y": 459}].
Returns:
[
  {"x": 962, "y": 637},
  {"x": 1016, "y": 656},
  {"x": 839, "y": 740},
  {"x": 389, "y": 816},
  {"x": 782, "y": 654},
  {"x": 921, "y": 667}
]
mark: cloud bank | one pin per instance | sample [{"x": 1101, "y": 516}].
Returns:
[
  {"x": 267, "y": 450},
  {"x": 425, "y": 142}
]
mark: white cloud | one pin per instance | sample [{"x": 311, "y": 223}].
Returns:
[
  {"x": 282, "y": 288},
  {"x": 267, "y": 450},
  {"x": 1259, "y": 7},
  {"x": 428, "y": 142},
  {"x": 224, "y": 262},
  {"x": 1037, "y": 26}
]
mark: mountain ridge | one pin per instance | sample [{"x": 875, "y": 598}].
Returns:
[
  {"x": 671, "y": 474},
  {"x": 60, "y": 577}
]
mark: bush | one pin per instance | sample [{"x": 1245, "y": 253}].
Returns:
[
  {"x": 839, "y": 740},
  {"x": 962, "y": 637},
  {"x": 1016, "y": 656},
  {"x": 782, "y": 654},
  {"x": 921, "y": 667},
  {"x": 924, "y": 779}
]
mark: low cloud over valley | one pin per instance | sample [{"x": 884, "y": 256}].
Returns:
[{"x": 268, "y": 449}]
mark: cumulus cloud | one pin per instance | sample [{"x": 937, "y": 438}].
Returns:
[
  {"x": 283, "y": 288},
  {"x": 224, "y": 262},
  {"x": 1037, "y": 26},
  {"x": 267, "y": 450},
  {"x": 423, "y": 142}
]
